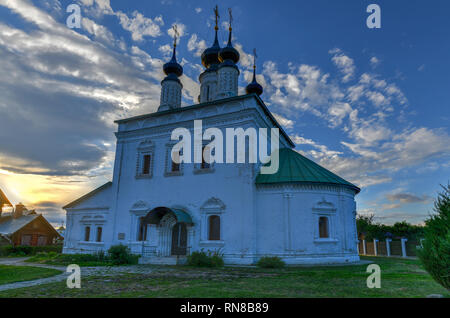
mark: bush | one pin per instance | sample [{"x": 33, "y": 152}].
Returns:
[
  {"x": 9, "y": 250},
  {"x": 121, "y": 254},
  {"x": 270, "y": 262},
  {"x": 203, "y": 259},
  {"x": 435, "y": 251}
]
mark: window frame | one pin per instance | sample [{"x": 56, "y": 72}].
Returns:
[
  {"x": 169, "y": 162},
  {"x": 325, "y": 209},
  {"x": 199, "y": 168},
  {"x": 145, "y": 148},
  {"x": 212, "y": 207}
]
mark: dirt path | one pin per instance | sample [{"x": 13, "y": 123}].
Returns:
[{"x": 85, "y": 271}]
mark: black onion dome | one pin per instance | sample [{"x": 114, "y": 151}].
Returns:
[
  {"x": 254, "y": 87},
  {"x": 173, "y": 67},
  {"x": 211, "y": 55},
  {"x": 229, "y": 52}
]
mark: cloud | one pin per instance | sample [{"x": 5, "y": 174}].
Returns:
[
  {"x": 286, "y": 123},
  {"x": 374, "y": 61},
  {"x": 344, "y": 63},
  {"x": 195, "y": 45},
  {"x": 140, "y": 26},
  {"x": 198, "y": 10},
  {"x": 408, "y": 198}
]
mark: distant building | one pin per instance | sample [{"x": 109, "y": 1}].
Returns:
[{"x": 21, "y": 226}]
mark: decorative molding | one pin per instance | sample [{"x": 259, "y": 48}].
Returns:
[
  {"x": 281, "y": 187},
  {"x": 146, "y": 147},
  {"x": 213, "y": 205},
  {"x": 89, "y": 219},
  {"x": 140, "y": 206},
  {"x": 324, "y": 206}
]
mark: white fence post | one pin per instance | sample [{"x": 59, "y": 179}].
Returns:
[
  {"x": 388, "y": 246},
  {"x": 364, "y": 247},
  {"x": 375, "y": 250},
  {"x": 404, "y": 240}
]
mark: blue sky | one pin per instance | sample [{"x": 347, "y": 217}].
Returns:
[{"x": 369, "y": 104}]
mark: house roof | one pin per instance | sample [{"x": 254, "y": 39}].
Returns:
[
  {"x": 215, "y": 102},
  {"x": 87, "y": 196},
  {"x": 295, "y": 168},
  {"x": 3, "y": 199},
  {"x": 12, "y": 225}
]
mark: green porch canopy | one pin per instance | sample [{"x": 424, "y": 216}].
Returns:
[{"x": 155, "y": 216}]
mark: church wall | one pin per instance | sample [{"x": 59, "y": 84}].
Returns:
[
  {"x": 288, "y": 224},
  {"x": 230, "y": 183}
]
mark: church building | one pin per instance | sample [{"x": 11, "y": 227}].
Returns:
[{"x": 164, "y": 210}]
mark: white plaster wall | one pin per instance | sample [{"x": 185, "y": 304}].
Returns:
[
  {"x": 287, "y": 224},
  {"x": 170, "y": 95},
  {"x": 227, "y": 82},
  {"x": 208, "y": 79}
]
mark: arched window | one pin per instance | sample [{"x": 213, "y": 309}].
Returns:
[
  {"x": 87, "y": 233},
  {"x": 214, "y": 228},
  {"x": 323, "y": 227},
  {"x": 99, "y": 234}
]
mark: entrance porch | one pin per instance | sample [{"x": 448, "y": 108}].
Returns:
[{"x": 174, "y": 230}]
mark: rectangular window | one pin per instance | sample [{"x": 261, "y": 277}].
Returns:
[
  {"x": 87, "y": 233},
  {"x": 42, "y": 240},
  {"x": 176, "y": 167},
  {"x": 214, "y": 228},
  {"x": 323, "y": 227},
  {"x": 142, "y": 230},
  {"x": 146, "y": 161},
  {"x": 99, "y": 234},
  {"x": 26, "y": 240},
  {"x": 204, "y": 165}
]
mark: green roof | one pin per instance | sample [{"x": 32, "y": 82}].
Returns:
[{"x": 295, "y": 168}]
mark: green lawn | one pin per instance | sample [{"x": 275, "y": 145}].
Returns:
[
  {"x": 13, "y": 274},
  {"x": 400, "y": 278}
]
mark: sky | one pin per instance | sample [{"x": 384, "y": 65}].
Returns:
[{"x": 371, "y": 105}]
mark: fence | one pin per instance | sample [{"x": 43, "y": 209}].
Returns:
[{"x": 400, "y": 248}]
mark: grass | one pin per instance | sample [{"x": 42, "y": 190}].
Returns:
[
  {"x": 82, "y": 260},
  {"x": 13, "y": 274},
  {"x": 399, "y": 278}
]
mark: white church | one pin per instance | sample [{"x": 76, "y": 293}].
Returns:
[{"x": 164, "y": 210}]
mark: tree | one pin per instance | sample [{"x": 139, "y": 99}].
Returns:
[{"x": 435, "y": 251}]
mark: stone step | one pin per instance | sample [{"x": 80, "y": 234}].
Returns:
[{"x": 171, "y": 260}]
